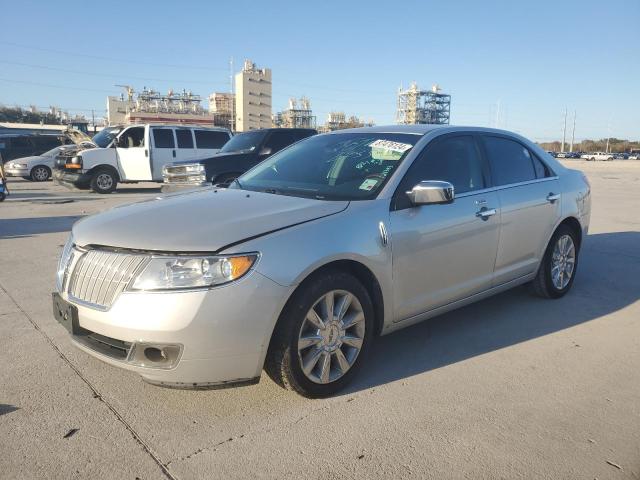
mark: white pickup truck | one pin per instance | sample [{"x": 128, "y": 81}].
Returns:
[
  {"x": 597, "y": 156},
  {"x": 137, "y": 153}
]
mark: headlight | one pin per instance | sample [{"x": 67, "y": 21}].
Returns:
[
  {"x": 194, "y": 168},
  {"x": 183, "y": 272},
  {"x": 17, "y": 165},
  {"x": 63, "y": 263}
]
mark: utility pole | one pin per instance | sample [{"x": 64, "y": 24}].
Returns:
[
  {"x": 93, "y": 121},
  {"x": 608, "y": 135},
  {"x": 564, "y": 130},
  {"x": 573, "y": 133}
]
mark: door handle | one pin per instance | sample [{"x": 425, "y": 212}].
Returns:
[
  {"x": 146, "y": 152},
  {"x": 484, "y": 213},
  {"x": 552, "y": 197}
]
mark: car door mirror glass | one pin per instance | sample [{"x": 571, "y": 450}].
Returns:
[
  {"x": 431, "y": 192},
  {"x": 264, "y": 151}
]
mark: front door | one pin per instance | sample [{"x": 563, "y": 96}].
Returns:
[
  {"x": 163, "y": 150},
  {"x": 443, "y": 253},
  {"x": 133, "y": 155}
]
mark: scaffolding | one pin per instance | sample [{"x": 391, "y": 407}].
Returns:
[
  {"x": 298, "y": 115},
  {"x": 339, "y": 121},
  {"x": 223, "y": 108},
  {"x": 423, "y": 106}
]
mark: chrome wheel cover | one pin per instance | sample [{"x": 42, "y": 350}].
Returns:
[
  {"x": 40, "y": 174},
  {"x": 563, "y": 261},
  {"x": 104, "y": 181},
  {"x": 331, "y": 336}
]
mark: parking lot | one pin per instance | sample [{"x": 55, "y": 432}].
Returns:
[{"x": 511, "y": 387}]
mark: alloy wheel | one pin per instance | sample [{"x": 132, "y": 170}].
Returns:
[
  {"x": 563, "y": 261},
  {"x": 40, "y": 174},
  {"x": 331, "y": 336}
]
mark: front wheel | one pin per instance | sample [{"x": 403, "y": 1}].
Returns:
[
  {"x": 40, "y": 173},
  {"x": 103, "y": 181},
  {"x": 322, "y": 336},
  {"x": 558, "y": 268}
]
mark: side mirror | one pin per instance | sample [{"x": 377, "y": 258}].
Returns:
[
  {"x": 431, "y": 192},
  {"x": 264, "y": 151}
]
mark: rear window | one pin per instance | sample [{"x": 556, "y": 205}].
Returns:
[
  {"x": 211, "y": 138},
  {"x": 163, "y": 138},
  {"x": 184, "y": 137},
  {"x": 510, "y": 161}
]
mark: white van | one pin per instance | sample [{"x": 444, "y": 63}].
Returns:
[{"x": 137, "y": 153}]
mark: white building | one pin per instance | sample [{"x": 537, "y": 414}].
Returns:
[{"x": 253, "y": 98}]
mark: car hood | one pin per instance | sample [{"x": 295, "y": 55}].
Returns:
[
  {"x": 213, "y": 158},
  {"x": 201, "y": 221}
]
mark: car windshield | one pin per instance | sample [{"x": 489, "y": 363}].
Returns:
[
  {"x": 244, "y": 142},
  {"x": 51, "y": 153},
  {"x": 104, "y": 138},
  {"x": 344, "y": 166}
]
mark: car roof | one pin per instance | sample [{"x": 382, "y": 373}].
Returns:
[{"x": 422, "y": 129}]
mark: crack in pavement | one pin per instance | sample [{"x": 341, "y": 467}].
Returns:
[
  {"x": 94, "y": 390},
  {"x": 230, "y": 439}
]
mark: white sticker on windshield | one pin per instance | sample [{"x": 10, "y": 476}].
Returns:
[
  {"x": 369, "y": 184},
  {"x": 392, "y": 146}
]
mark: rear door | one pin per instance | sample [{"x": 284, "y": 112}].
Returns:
[
  {"x": 443, "y": 253},
  {"x": 186, "y": 148},
  {"x": 163, "y": 150},
  {"x": 529, "y": 194},
  {"x": 133, "y": 154}
]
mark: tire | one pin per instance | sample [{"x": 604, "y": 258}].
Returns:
[
  {"x": 103, "y": 181},
  {"x": 547, "y": 284},
  {"x": 40, "y": 173},
  {"x": 287, "y": 353}
]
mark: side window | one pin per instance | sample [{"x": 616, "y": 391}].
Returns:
[
  {"x": 163, "y": 138},
  {"x": 184, "y": 138},
  {"x": 20, "y": 142},
  {"x": 132, "y": 137},
  {"x": 542, "y": 171},
  {"x": 278, "y": 140},
  {"x": 211, "y": 138},
  {"x": 510, "y": 161},
  {"x": 454, "y": 159}
]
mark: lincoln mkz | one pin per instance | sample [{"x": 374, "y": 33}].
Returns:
[{"x": 307, "y": 257}]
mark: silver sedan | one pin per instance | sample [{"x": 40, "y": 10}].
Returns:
[{"x": 306, "y": 258}]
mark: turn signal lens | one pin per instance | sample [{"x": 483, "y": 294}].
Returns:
[{"x": 240, "y": 266}]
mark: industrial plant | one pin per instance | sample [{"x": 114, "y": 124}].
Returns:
[
  {"x": 248, "y": 106},
  {"x": 423, "y": 106}
]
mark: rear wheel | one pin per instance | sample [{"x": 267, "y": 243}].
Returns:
[
  {"x": 322, "y": 337},
  {"x": 103, "y": 181},
  {"x": 40, "y": 173},
  {"x": 558, "y": 268}
]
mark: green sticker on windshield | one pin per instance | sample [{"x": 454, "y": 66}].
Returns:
[{"x": 388, "y": 150}]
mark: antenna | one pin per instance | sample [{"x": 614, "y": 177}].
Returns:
[
  {"x": 564, "y": 130},
  {"x": 573, "y": 133}
]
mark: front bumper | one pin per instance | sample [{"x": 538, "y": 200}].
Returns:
[
  {"x": 71, "y": 180},
  {"x": 223, "y": 332},
  {"x": 17, "y": 172},
  {"x": 170, "y": 187}
]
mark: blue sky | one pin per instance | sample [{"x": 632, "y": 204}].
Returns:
[{"x": 510, "y": 64}]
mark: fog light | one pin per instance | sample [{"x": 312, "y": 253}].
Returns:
[{"x": 155, "y": 355}]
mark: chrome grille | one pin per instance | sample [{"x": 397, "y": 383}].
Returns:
[{"x": 99, "y": 276}]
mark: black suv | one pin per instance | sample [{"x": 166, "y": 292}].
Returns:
[{"x": 238, "y": 155}]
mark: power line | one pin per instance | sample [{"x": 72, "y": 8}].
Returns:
[
  {"x": 26, "y": 82},
  {"x": 94, "y": 74},
  {"x": 111, "y": 59}
]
